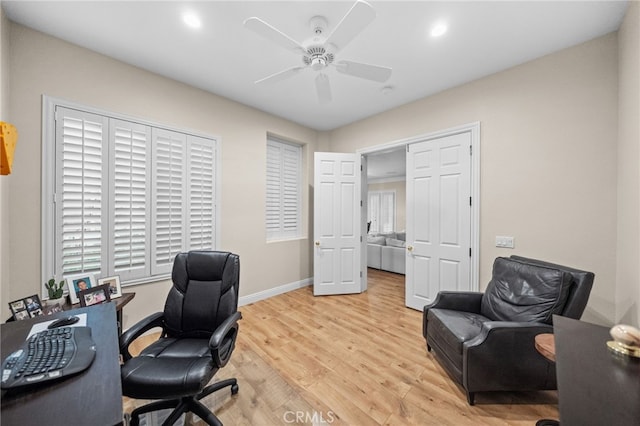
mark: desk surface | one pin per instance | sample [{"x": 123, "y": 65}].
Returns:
[
  {"x": 93, "y": 397},
  {"x": 595, "y": 385}
]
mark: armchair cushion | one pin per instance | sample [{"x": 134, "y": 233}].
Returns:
[
  {"x": 525, "y": 292},
  {"x": 376, "y": 239},
  {"x": 453, "y": 328},
  {"x": 395, "y": 243}
]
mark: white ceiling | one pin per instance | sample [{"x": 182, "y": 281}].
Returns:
[{"x": 225, "y": 58}]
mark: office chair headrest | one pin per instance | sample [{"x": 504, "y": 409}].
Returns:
[{"x": 204, "y": 266}]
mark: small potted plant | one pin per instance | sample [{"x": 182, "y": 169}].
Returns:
[{"x": 55, "y": 292}]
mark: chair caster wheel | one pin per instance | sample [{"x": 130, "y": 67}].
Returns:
[{"x": 234, "y": 389}]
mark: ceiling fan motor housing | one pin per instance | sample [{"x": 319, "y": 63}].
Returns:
[{"x": 317, "y": 57}]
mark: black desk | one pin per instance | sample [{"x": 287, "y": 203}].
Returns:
[
  {"x": 595, "y": 386},
  {"x": 120, "y": 303},
  {"x": 93, "y": 397}
]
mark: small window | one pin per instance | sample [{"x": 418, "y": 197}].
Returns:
[
  {"x": 284, "y": 190},
  {"x": 382, "y": 211}
]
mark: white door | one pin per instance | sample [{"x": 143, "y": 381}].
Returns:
[
  {"x": 337, "y": 213},
  {"x": 438, "y": 218}
]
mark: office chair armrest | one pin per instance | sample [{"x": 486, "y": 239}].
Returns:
[
  {"x": 226, "y": 331},
  {"x": 141, "y": 327}
]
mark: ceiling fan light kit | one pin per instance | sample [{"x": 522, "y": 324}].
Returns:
[{"x": 319, "y": 52}]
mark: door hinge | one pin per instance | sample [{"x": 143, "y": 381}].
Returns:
[
  {"x": 360, "y": 238},
  {"x": 469, "y": 251},
  {"x": 360, "y": 203},
  {"x": 470, "y": 149},
  {"x": 470, "y": 201},
  {"x": 360, "y": 274}
]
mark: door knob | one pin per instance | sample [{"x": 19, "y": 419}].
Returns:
[
  {"x": 410, "y": 248},
  {"x": 318, "y": 243}
]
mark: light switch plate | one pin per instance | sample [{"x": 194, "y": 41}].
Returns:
[{"x": 505, "y": 242}]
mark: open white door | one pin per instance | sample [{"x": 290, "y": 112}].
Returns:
[
  {"x": 337, "y": 224},
  {"x": 438, "y": 218}
]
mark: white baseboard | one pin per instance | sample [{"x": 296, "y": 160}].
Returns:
[{"x": 265, "y": 294}]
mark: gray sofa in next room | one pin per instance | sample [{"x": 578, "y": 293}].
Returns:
[{"x": 387, "y": 251}]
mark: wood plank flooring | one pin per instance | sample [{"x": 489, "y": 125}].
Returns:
[{"x": 351, "y": 360}]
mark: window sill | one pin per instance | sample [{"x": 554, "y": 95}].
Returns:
[{"x": 147, "y": 280}]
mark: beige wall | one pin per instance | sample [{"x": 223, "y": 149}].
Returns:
[
  {"x": 41, "y": 64},
  {"x": 548, "y": 154},
  {"x": 628, "y": 248},
  {"x": 4, "y": 180},
  {"x": 400, "y": 188}
]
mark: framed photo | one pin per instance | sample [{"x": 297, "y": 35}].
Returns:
[
  {"x": 115, "y": 290},
  {"x": 28, "y": 307},
  {"x": 94, "y": 295},
  {"x": 52, "y": 309},
  {"x": 77, "y": 283}
]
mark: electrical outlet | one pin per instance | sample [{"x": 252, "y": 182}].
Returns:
[{"x": 505, "y": 242}]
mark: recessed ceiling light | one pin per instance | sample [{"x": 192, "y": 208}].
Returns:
[
  {"x": 192, "y": 20},
  {"x": 438, "y": 29}
]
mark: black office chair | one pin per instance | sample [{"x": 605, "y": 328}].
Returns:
[{"x": 199, "y": 328}]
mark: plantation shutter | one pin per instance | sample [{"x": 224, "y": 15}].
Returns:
[
  {"x": 122, "y": 196},
  {"x": 283, "y": 197},
  {"x": 382, "y": 211},
  {"x": 80, "y": 186},
  {"x": 201, "y": 189},
  {"x": 130, "y": 199},
  {"x": 169, "y": 197},
  {"x": 374, "y": 212},
  {"x": 388, "y": 211}
]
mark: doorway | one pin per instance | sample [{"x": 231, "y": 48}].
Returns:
[{"x": 431, "y": 256}]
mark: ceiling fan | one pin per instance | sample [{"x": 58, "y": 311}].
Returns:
[{"x": 318, "y": 52}]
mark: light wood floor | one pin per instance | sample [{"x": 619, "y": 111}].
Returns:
[{"x": 351, "y": 360}]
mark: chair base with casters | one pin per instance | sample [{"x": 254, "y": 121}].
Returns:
[{"x": 186, "y": 404}]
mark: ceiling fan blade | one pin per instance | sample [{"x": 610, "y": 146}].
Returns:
[
  {"x": 323, "y": 88},
  {"x": 271, "y": 33},
  {"x": 370, "y": 72},
  {"x": 279, "y": 76},
  {"x": 357, "y": 18}
]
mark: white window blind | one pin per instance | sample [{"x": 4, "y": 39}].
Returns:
[
  {"x": 201, "y": 202},
  {"x": 284, "y": 190},
  {"x": 168, "y": 197},
  {"x": 79, "y": 192},
  {"x": 130, "y": 199},
  {"x": 124, "y": 196},
  {"x": 382, "y": 211}
]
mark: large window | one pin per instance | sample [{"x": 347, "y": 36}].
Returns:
[
  {"x": 284, "y": 190},
  {"x": 382, "y": 211},
  {"x": 121, "y": 196}
]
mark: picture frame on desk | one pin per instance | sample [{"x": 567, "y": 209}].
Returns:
[
  {"x": 27, "y": 307},
  {"x": 77, "y": 283},
  {"x": 115, "y": 289},
  {"x": 94, "y": 296}
]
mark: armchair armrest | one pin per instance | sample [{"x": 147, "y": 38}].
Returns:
[
  {"x": 141, "y": 327},
  {"x": 507, "y": 346},
  {"x": 466, "y": 301},
  {"x": 494, "y": 331},
  {"x": 226, "y": 332}
]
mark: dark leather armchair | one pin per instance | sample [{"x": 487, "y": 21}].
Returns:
[
  {"x": 485, "y": 341},
  {"x": 199, "y": 328}
]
